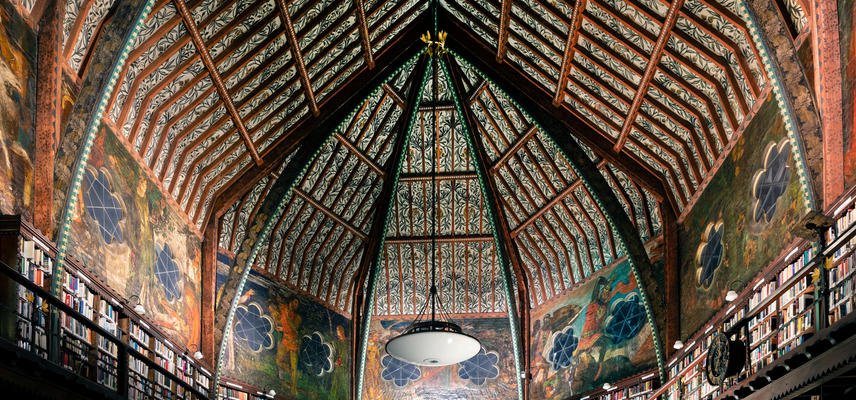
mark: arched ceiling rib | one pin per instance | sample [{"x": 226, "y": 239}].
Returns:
[{"x": 556, "y": 225}]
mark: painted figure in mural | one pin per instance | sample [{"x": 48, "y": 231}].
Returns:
[
  {"x": 593, "y": 343},
  {"x": 339, "y": 386},
  {"x": 286, "y": 352}
]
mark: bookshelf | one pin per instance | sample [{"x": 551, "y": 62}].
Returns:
[
  {"x": 632, "y": 388},
  {"x": 229, "y": 390},
  {"x": 95, "y": 336},
  {"x": 777, "y": 312}
]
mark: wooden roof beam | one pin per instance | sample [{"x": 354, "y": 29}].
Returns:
[
  {"x": 502, "y": 40},
  {"x": 650, "y": 69},
  {"x": 570, "y": 46},
  {"x": 364, "y": 32},
  {"x": 329, "y": 213},
  {"x": 291, "y": 36},
  {"x": 190, "y": 24}
]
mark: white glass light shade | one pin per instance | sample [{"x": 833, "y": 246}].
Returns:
[
  {"x": 731, "y": 296},
  {"x": 678, "y": 345},
  {"x": 139, "y": 309},
  {"x": 197, "y": 355},
  {"x": 433, "y": 344}
]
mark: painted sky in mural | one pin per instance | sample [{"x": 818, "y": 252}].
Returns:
[
  {"x": 742, "y": 221},
  {"x": 596, "y": 333},
  {"x": 285, "y": 342},
  {"x": 17, "y": 103},
  {"x": 126, "y": 233},
  {"x": 488, "y": 375}
]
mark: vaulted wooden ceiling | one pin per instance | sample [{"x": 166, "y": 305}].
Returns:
[{"x": 211, "y": 89}]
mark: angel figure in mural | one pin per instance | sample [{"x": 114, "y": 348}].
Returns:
[
  {"x": 286, "y": 352},
  {"x": 593, "y": 343},
  {"x": 339, "y": 386}
]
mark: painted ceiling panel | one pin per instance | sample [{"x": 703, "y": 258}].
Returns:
[
  {"x": 480, "y": 16},
  {"x": 391, "y": 26},
  {"x": 87, "y": 15},
  {"x": 707, "y": 73}
]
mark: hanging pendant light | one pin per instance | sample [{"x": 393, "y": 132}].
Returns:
[{"x": 433, "y": 342}]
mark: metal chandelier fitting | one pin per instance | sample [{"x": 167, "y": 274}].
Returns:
[{"x": 434, "y": 342}]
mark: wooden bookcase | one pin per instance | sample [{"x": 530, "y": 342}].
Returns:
[{"x": 78, "y": 348}]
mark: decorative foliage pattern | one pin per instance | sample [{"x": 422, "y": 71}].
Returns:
[
  {"x": 102, "y": 205},
  {"x": 707, "y": 81},
  {"x": 254, "y": 327},
  {"x": 626, "y": 319},
  {"x": 167, "y": 272},
  {"x": 480, "y": 368},
  {"x": 316, "y": 355},
  {"x": 709, "y": 255},
  {"x": 771, "y": 181},
  {"x": 399, "y": 372},
  {"x": 560, "y": 231}
]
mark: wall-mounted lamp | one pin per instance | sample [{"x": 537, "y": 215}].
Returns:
[
  {"x": 731, "y": 295},
  {"x": 678, "y": 345},
  {"x": 196, "y": 353},
  {"x": 138, "y": 308},
  {"x": 607, "y": 386}
]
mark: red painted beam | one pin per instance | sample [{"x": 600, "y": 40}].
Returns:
[
  {"x": 650, "y": 69},
  {"x": 291, "y": 36},
  {"x": 190, "y": 24},
  {"x": 570, "y": 46},
  {"x": 364, "y": 33},
  {"x": 48, "y": 113}
]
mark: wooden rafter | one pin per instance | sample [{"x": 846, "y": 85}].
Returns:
[
  {"x": 329, "y": 213},
  {"x": 570, "y": 46},
  {"x": 650, "y": 69},
  {"x": 225, "y": 97},
  {"x": 502, "y": 40},
  {"x": 291, "y": 36},
  {"x": 364, "y": 33}
]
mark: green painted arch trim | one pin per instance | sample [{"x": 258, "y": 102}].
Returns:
[
  {"x": 378, "y": 259},
  {"x": 506, "y": 286},
  {"x": 89, "y": 139},
  {"x": 785, "y": 108},
  {"x": 620, "y": 245}
]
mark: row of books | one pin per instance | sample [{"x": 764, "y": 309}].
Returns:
[
  {"x": 796, "y": 266},
  {"x": 845, "y": 219},
  {"x": 80, "y": 349},
  {"x": 638, "y": 391}
]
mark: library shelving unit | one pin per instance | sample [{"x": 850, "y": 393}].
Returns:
[
  {"x": 636, "y": 387},
  {"x": 94, "y": 335},
  {"x": 795, "y": 303},
  {"x": 231, "y": 390}
]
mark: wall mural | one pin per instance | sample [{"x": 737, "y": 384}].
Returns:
[
  {"x": 846, "y": 18},
  {"x": 595, "y": 333},
  {"x": 127, "y": 234},
  {"x": 283, "y": 341},
  {"x": 488, "y": 375},
  {"x": 742, "y": 220},
  {"x": 17, "y": 106}
]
